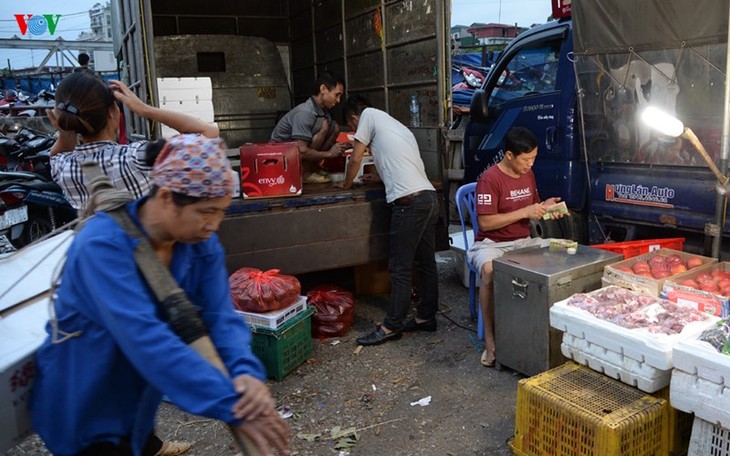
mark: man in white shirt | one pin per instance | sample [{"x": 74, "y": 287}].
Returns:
[{"x": 412, "y": 198}]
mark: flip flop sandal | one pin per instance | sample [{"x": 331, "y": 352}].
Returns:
[
  {"x": 485, "y": 361},
  {"x": 174, "y": 448},
  {"x": 315, "y": 178}
]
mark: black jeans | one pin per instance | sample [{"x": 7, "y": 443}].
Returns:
[
  {"x": 412, "y": 242},
  {"x": 151, "y": 448}
]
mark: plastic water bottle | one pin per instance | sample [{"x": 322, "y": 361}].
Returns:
[{"x": 415, "y": 108}]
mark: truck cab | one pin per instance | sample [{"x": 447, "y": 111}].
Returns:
[
  {"x": 532, "y": 85},
  {"x": 581, "y": 91}
]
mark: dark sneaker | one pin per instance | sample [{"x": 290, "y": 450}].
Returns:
[
  {"x": 428, "y": 326},
  {"x": 378, "y": 337}
]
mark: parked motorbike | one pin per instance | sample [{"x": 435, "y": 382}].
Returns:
[{"x": 31, "y": 204}]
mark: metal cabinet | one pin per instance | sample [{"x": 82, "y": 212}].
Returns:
[{"x": 526, "y": 283}]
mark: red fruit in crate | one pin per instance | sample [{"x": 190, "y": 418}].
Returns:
[
  {"x": 660, "y": 274},
  {"x": 645, "y": 274},
  {"x": 674, "y": 259},
  {"x": 625, "y": 269},
  {"x": 677, "y": 268},
  {"x": 725, "y": 291},
  {"x": 657, "y": 260},
  {"x": 693, "y": 262},
  {"x": 709, "y": 286},
  {"x": 691, "y": 283},
  {"x": 704, "y": 277},
  {"x": 717, "y": 272},
  {"x": 723, "y": 283},
  {"x": 640, "y": 266},
  {"x": 659, "y": 267}
]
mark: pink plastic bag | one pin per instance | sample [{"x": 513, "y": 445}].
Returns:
[
  {"x": 253, "y": 290},
  {"x": 335, "y": 311}
]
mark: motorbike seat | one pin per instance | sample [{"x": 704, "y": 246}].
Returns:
[{"x": 21, "y": 176}]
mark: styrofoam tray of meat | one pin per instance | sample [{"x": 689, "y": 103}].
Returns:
[
  {"x": 638, "y": 326},
  {"x": 708, "y": 400},
  {"x": 702, "y": 359},
  {"x": 614, "y": 364}
]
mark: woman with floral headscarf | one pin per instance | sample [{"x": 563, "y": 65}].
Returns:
[{"x": 110, "y": 356}]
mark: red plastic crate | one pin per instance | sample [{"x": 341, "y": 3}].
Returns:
[{"x": 635, "y": 248}]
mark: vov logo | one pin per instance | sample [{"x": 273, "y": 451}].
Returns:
[{"x": 37, "y": 24}]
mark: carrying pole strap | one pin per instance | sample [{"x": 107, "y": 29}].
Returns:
[{"x": 177, "y": 309}]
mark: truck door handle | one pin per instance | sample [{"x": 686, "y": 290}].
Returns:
[
  {"x": 519, "y": 288},
  {"x": 551, "y": 137}
]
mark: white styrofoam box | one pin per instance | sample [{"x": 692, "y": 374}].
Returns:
[
  {"x": 184, "y": 89},
  {"x": 22, "y": 332},
  {"x": 708, "y": 439},
  {"x": 202, "y": 110},
  {"x": 706, "y": 399},
  {"x": 29, "y": 271},
  {"x": 276, "y": 318},
  {"x": 614, "y": 364},
  {"x": 638, "y": 344},
  {"x": 457, "y": 246},
  {"x": 702, "y": 359}
]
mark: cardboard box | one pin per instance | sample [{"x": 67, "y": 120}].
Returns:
[
  {"x": 613, "y": 276},
  {"x": 713, "y": 303},
  {"x": 270, "y": 169}
]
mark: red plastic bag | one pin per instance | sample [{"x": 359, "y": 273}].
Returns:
[
  {"x": 335, "y": 310},
  {"x": 253, "y": 290}
]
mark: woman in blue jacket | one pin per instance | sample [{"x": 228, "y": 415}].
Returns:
[{"x": 110, "y": 355}]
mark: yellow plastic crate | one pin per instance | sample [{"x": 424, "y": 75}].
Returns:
[
  {"x": 574, "y": 411},
  {"x": 679, "y": 425}
]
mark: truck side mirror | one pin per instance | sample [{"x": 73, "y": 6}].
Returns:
[{"x": 478, "y": 108}]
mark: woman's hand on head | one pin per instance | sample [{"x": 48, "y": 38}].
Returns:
[{"x": 125, "y": 95}]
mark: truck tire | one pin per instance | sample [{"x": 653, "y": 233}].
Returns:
[{"x": 546, "y": 229}]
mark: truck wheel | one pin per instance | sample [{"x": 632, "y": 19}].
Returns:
[{"x": 546, "y": 229}]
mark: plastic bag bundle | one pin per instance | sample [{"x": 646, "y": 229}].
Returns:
[
  {"x": 335, "y": 311},
  {"x": 253, "y": 290}
]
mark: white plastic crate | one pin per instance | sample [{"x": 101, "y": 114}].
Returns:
[
  {"x": 275, "y": 319},
  {"x": 639, "y": 345},
  {"x": 457, "y": 246},
  {"x": 708, "y": 439},
  {"x": 614, "y": 364}
]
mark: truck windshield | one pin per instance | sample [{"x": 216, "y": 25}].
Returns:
[{"x": 530, "y": 71}]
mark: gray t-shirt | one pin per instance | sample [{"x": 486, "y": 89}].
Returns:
[
  {"x": 302, "y": 122},
  {"x": 395, "y": 152}
]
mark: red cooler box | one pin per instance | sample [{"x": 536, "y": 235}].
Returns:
[{"x": 270, "y": 169}]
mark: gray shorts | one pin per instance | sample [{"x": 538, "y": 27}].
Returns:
[{"x": 486, "y": 250}]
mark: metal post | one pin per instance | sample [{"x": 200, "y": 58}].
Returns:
[{"x": 724, "y": 154}]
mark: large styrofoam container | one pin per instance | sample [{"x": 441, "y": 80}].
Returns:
[
  {"x": 701, "y": 381},
  {"x": 457, "y": 246},
  {"x": 638, "y": 345},
  {"x": 22, "y": 333},
  {"x": 614, "y": 364}
]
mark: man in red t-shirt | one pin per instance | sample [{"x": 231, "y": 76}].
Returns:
[{"x": 506, "y": 201}]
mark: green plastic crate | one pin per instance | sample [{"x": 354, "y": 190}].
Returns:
[{"x": 281, "y": 351}]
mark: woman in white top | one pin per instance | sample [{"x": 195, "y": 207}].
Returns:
[{"x": 86, "y": 106}]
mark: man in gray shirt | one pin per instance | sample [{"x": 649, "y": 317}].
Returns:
[{"x": 312, "y": 127}]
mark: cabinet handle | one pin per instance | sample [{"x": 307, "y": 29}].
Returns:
[{"x": 519, "y": 288}]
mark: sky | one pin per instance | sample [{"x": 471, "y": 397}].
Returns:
[
  {"x": 75, "y": 19},
  {"x": 522, "y": 12}
]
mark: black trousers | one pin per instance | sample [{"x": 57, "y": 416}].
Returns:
[{"x": 151, "y": 448}]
